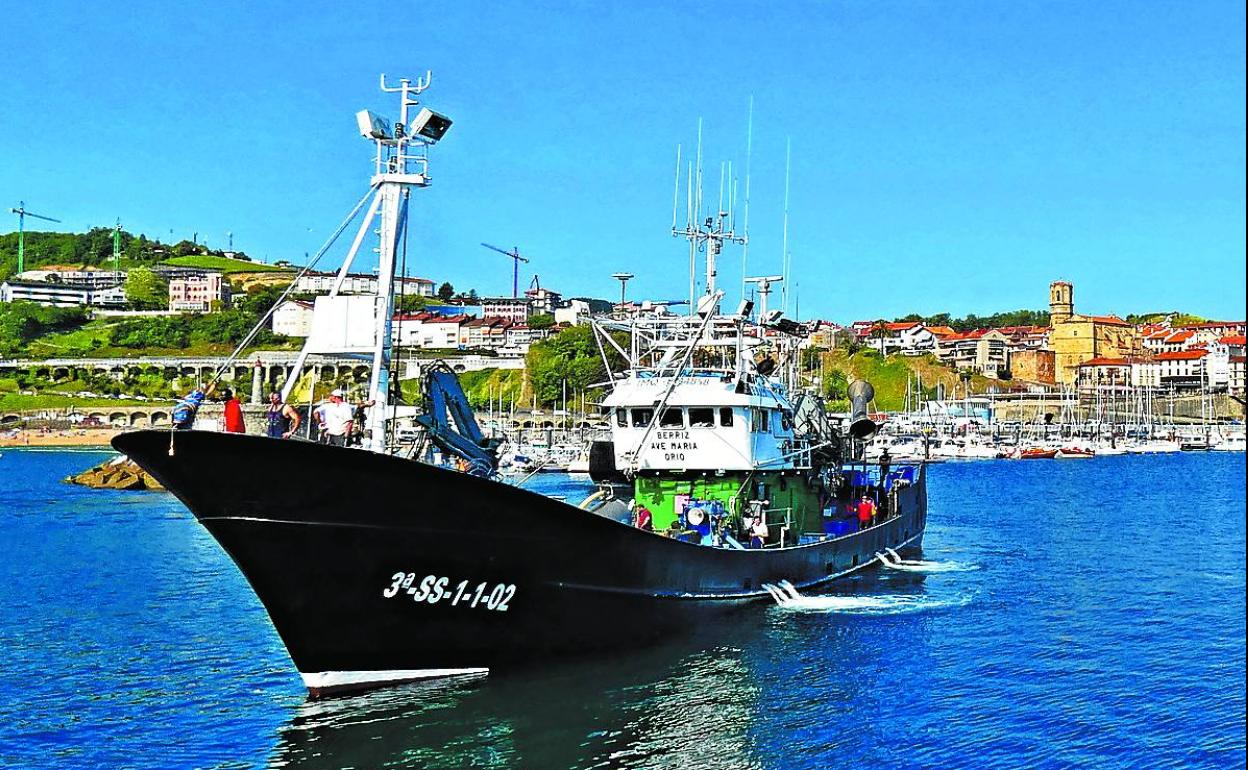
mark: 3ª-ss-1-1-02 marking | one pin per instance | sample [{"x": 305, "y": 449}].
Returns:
[{"x": 432, "y": 589}]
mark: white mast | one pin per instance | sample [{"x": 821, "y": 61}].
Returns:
[{"x": 401, "y": 163}]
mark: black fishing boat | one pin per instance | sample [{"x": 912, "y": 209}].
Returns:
[{"x": 388, "y": 562}]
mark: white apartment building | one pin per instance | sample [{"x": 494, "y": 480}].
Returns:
[
  {"x": 514, "y": 309},
  {"x": 51, "y": 294},
  {"x": 314, "y": 282},
  {"x": 292, "y": 318}
]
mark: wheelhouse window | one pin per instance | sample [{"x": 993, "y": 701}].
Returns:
[
  {"x": 725, "y": 416},
  {"x": 702, "y": 417},
  {"x": 761, "y": 419},
  {"x": 672, "y": 418},
  {"x": 621, "y": 418},
  {"x": 642, "y": 417}
]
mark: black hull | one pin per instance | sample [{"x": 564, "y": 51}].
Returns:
[{"x": 326, "y": 537}]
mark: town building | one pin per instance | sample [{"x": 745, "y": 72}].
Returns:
[
  {"x": 1184, "y": 370},
  {"x": 1033, "y": 365},
  {"x": 514, "y": 309},
  {"x": 44, "y": 293},
  {"x": 109, "y": 297},
  {"x": 92, "y": 279},
  {"x": 1026, "y": 337},
  {"x": 199, "y": 294},
  {"x": 1106, "y": 373},
  {"x": 542, "y": 301},
  {"x": 1078, "y": 338},
  {"x": 576, "y": 312},
  {"x": 827, "y": 335},
  {"x": 292, "y": 318},
  {"x": 314, "y": 282},
  {"x": 908, "y": 338},
  {"x": 983, "y": 350}
]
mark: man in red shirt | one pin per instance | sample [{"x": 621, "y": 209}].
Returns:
[
  {"x": 233, "y": 413},
  {"x": 866, "y": 511}
]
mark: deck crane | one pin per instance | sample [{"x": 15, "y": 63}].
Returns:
[
  {"x": 22, "y": 213},
  {"x": 516, "y": 259}
]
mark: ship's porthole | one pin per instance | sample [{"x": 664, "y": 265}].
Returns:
[{"x": 855, "y": 560}]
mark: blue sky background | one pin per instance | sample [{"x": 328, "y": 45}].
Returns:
[{"x": 950, "y": 156}]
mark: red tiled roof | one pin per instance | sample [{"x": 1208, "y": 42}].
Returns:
[
  {"x": 941, "y": 331},
  {"x": 1180, "y": 336},
  {"x": 1106, "y": 362},
  {"x": 1182, "y": 355},
  {"x": 1112, "y": 320},
  {"x": 1232, "y": 340}
]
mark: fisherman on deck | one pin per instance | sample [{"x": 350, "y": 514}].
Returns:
[
  {"x": 283, "y": 419},
  {"x": 232, "y": 414},
  {"x": 336, "y": 418},
  {"x": 184, "y": 413},
  {"x": 756, "y": 523},
  {"x": 643, "y": 519},
  {"x": 866, "y": 512}
]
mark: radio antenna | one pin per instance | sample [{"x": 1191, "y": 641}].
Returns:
[
  {"x": 745, "y": 246},
  {"x": 676, "y": 188},
  {"x": 784, "y": 250}
]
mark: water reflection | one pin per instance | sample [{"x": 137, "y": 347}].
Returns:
[{"x": 661, "y": 707}]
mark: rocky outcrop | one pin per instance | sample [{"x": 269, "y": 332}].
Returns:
[{"x": 118, "y": 473}]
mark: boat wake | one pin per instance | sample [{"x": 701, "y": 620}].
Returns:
[
  {"x": 919, "y": 565},
  {"x": 788, "y": 598}
]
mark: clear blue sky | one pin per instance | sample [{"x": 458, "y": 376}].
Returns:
[{"x": 949, "y": 156}]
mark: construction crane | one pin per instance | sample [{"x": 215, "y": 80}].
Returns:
[
  {"x": 22, "y": 213},
  {"x": 516, "y": 259},
  {"x": 117, "y": 250}
]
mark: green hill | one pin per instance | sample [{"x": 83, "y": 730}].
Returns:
[
  {"x": 224, "y": 264},
  {"x": 889, "y": 376}
]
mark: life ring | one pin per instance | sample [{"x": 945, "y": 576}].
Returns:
[{"x": 695, "y": 516}]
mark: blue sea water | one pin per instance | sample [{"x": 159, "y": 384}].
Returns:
[{"x": 1089, "y": 614}]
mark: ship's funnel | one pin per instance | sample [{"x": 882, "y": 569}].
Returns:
[{"x": 860, "y": 394}]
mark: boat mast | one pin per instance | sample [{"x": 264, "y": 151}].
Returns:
[{"x": 709, "y": 234}]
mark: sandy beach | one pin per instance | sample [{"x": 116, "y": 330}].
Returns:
[{"x": 79, "y": 437}]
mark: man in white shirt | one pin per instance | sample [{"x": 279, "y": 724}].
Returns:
[{"x": 336, "y": 418}]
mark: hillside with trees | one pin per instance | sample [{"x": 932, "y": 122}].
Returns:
[
  {"x": 972, "y": 321},
  {"x": 94, "y": 248}
]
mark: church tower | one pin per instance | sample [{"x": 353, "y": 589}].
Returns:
[{"x": 1061, "y": 302}]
